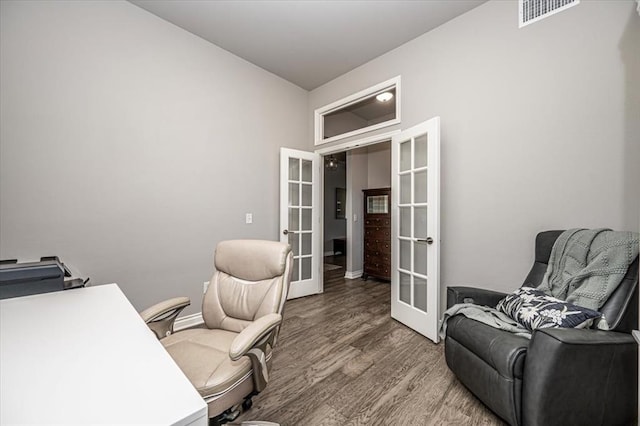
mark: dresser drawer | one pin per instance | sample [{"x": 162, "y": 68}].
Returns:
[
  {"x": 377, "y": 221},
  {"x": 377, "y": 255},
  {"x": 380, "y": 271},
  {"x": 377, "y": 245},
  {"x": 378, "y": 234}
]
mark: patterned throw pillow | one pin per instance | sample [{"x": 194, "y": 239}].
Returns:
[{"x": 534, "y": 309}]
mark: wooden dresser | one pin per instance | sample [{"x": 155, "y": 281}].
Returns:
[{"x": 377, "y": 233}]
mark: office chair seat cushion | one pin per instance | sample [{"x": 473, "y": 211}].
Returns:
[{"x": 203, "y": 356}]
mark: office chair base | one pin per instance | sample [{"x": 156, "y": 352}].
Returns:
[
  {"x": 232, "y": 413},
  {"x": 228, "y": 416},
  {"x": 247, "y": 404}
]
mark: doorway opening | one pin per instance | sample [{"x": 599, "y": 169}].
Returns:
[
  {"x": 346, "y": 175},
  {"x": 335, "y": 223},
  {"x": 415, "y": 219}
]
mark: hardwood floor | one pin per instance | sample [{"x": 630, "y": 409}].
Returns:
[{"x": 342, "y": 360}]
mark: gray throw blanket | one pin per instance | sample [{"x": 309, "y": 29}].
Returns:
[
  {"x": 587, "y": 265},
  {"x": 485, "y": 315}
]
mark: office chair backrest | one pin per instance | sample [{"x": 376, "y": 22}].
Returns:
[
  {"x": 251, "y": 280},
  {"x": 620, "y": 310}
]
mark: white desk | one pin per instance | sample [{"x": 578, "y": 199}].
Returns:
[{"x": 85, "y": 356}]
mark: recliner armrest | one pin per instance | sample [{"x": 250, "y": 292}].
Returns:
[
  {"x": 474, "y": 295},
  {"x": 161, "y": 316},
  {"x": 585, "y": 336},
  {"x": 252, "y": 335},
  {"x": 580, "y": 376}
]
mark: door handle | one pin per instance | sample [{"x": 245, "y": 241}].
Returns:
[
  {"x": 428, "y": 240},
  {"x": 285, "y": 232}
]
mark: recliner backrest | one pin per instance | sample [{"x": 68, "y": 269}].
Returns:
[
  {"x": 251, "y": 280},
  {"x": 544, "y": 244},
  {"x": 620, "y": 310}
]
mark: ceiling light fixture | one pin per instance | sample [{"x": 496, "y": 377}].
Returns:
[
  {"x": 332, "y": 163},
  {"x": 384, "y": 97}
]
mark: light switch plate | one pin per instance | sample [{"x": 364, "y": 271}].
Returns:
[{"x": 249, "y": 218}]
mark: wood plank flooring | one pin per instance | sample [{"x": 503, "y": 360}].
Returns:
[{"x": 342, "y": 360}]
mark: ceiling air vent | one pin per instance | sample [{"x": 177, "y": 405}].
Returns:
[{"x": 535, "y": 10}]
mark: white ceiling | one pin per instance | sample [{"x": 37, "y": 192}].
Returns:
[{"x": 308, "y": 42}]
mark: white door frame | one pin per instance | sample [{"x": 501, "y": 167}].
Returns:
[
  {"x": 356, "y": 143},
  {"x": 334, "y": 149}
]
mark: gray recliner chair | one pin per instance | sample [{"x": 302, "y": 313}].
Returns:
[
  {"x": 559, "y": 377},
  {"x": 228, "y": 359}
]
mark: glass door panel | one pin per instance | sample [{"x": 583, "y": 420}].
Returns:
[
  {"x": 306, "y": 244},
  {"x": 405, "y": 287},
  {"x": 294, "y": 169},
  {"x": 405, "y": 156},
  {"x": 420, "y": 293},
  {"x": 294, "y": 194},
  {"x": 306, "y": 220},
  {"x": 294, "y": 219},
  {"x": 405, "y": 221},
  {"x": 420, "y": 187},
  {"x": 420, "y": 159},
  {"x": 306, "y": 268},
  {"x": 420, "y": 222},
  {"x": 405, "y": 255},
  {"x": 307, "y": 193},
  {"x": 307, "y": 171},
  {"x": 420, "y": 257},
  {"x": 293, "y": 242},
  {"x": 405, "y": 188}
]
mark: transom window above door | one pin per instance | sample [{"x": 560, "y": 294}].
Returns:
[{"x": 370, "y": 109}]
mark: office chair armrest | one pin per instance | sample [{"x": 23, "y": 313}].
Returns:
[
  {"x": 253, "y": 334},
  {"x": 161, "y": 316}
]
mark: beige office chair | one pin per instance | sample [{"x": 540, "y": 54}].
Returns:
[{"x": 228, "y": 360}]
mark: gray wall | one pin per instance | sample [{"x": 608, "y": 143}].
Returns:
[
  {"x": 130, "y": 147},
  {"x": 379, "y": 165},
  {"x": 540, "y": 127}
]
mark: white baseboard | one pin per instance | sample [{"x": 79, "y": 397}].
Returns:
[
  {"x": 188, "y": 321},
  {"x": 352, "y": 275}
]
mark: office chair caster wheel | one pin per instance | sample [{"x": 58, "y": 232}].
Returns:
[{"x": 247, "y": 404}]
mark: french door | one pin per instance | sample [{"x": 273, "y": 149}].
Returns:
[
  {"x": 415, "y": 227},
  {"x": 300, "y": 218}
]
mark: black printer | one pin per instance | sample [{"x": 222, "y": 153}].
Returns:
[{"x": 46, "y": 276}]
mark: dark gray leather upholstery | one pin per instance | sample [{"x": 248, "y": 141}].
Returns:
[
  {"x": 473, "y": 295},
  {"x": 561, "y": 376},
  {"x": 544, "y": 244},
  {"x": 580, "y": 377}
]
